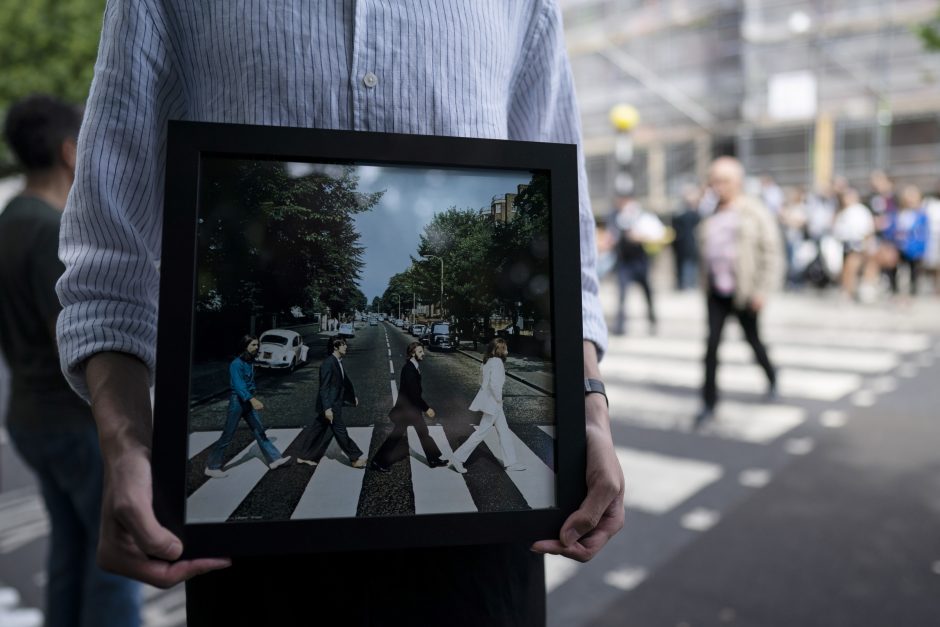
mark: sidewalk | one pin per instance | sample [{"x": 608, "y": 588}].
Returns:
[{"x": 534, "y": 372}]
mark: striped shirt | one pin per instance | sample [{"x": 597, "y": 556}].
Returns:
[{"x": 486, "y": 68}]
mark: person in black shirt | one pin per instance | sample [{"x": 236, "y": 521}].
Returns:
[{"x": 50, "y": 426}]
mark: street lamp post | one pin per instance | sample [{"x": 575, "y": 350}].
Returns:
[
  {"x": 441, "y": 259},
  {"x": 399, "y": 305},
  {"x": 623, "y": 118}
]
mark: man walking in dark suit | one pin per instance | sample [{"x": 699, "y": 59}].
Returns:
[
  {"x": 335, "y": 390},
  {"x": 405, "y": 413}
]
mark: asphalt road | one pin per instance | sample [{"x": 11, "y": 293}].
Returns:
[{"x": 818, "y": 510}]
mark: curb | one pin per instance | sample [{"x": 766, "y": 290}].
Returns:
[{"x": 509, "y": 374}]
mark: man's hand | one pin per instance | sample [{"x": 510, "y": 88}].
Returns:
[
  {"x": 430, "y": 413},
  {"x": 329, "y": 414},
  {"x": 601, "y": 514},
  {"x": 132, "y": 542},
  {"x": 256, "y": 404},
  {"x": 757, "y": 303}
]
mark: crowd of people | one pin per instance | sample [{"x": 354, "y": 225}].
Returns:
[{"x": 870, "y": 242}]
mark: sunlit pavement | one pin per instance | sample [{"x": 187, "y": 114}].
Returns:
[{"x": 820, "y": 508}]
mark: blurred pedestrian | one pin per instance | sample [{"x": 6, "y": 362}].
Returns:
[
  {"x": 684, "y": 223},
  {"x": 49, "y": 425},
  {"x": 908, "y": 230},
  {"x": 854, "y": 228},
  {"x": 932, "y": 256},
  {"x": 742, "y": 263},
  {"x": 793, "y": 222},
  {"x": 631, "y": 227}
]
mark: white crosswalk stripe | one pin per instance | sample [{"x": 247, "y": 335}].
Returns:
[
  {"x": 659, "y": 483},
  {"x": 333, "y": 491},
  {"x": 437, "y": 490},
  {"x": 216, "y": 499},
  {"x": 537, "y": 481}
]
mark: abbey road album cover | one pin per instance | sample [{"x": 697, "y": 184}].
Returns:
[{"x": 373, "y": 338}]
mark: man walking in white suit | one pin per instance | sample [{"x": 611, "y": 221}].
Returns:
[{"x": 489, "y": 400}]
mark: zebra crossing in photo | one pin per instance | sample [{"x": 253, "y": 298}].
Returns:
[{"x": 335, "y": 487}]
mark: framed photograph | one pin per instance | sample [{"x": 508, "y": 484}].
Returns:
[{"x": 366, "y": 340}]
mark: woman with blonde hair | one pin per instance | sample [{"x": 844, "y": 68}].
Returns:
[{"x": 489, "y": 400}]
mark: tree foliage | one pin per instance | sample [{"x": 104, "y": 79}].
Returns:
[
  {"x": 929, "y": 33},
  {"x": 46, "y": 46},
  {"x": 488, "y": 265},
  {"x": 269, "y": 242}
]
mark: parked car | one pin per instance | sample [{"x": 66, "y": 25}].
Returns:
[
  {"x": 442, "y": 336},
  {"x": 346, "y": 330},
  {"x": 281, "y": 349},
  {"x": 417, "y": 330}
]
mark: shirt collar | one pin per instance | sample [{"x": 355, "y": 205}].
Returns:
[{"x": 415, "y": 362}]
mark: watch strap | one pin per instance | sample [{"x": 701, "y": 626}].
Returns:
[{"x": 593, "y": 386}]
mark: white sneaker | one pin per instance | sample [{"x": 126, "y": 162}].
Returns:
[
  {"x": 516, "y": 466},
  {"x": 279, "y": 462},
  {"x": 458, "y": 466},
  {"x": 216, "y": 473}
]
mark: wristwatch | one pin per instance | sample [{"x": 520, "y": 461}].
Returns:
[{"x": 593, "y": 386}]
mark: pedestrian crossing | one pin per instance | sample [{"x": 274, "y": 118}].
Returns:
[
  {"x": 681, "y": 482},
  {"x": 334, "y": 489}
]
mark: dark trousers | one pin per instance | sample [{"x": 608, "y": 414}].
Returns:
[
  {"x": 913, "y": 266},
  {"x": 633, "y": 271},
  {"x": 499, "y": 585},
  {"x": 316, "y": 438},
  {"x": 395, "y": 446},
  {"x": 719, "y": 308}
]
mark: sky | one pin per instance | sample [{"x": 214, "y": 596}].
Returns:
[{"x": 390, "y": 231}]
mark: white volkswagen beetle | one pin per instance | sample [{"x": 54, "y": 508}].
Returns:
[{"x": 281, "y": 349}]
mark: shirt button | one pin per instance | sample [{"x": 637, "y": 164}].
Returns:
[{"x": 369, "y": 80}]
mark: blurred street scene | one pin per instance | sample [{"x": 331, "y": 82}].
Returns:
[{"x": 812, "y": 501}]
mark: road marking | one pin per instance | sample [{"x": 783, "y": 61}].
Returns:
[
  {"x": 21, "y": 617},
  {"x": 754, "y": 477},
  {"x": 549, "y": 429},
  {"x": 389, "y": 354},
  {"x": 218, "y": 498},
  {"x": 737, "y": 352},
  {"x": 558, "y": 570},
  {"x": 701, "y": 519},
  {"x": 864, "y": 398},
  {"x": 799, "y": 446},
  {"x": 437, "y": 490},
  {"x": 658, "y": 483},
  {"x": 168, "y": 610},
  {"x": 201, "y": 440},
  {"x": 394, "y": 391},
  {"x": 391, "y": 367},
  {"x": 810, "y": 384},
  {"x": 536, "y": 482},
  {"x": 883, "y": 385},
  {"x": 23, "y": 519},
  {"x": 750, "y": 422},
  {"x": 333, "y": 491},
  {"x": 626, "y": 578},
  {"x": 833, "y": 418}
]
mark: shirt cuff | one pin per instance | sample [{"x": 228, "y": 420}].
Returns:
[{"x": 594, "y": 327}]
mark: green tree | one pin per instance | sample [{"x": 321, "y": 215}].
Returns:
[
  {"x": 46, "y": 46},
  {"x": 929, "y": 33},
  {"x": 269, "y": 241}
]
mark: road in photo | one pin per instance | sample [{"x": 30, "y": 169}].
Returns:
[{"x": 334, "y": 488}]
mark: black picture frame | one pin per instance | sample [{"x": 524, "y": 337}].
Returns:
[{"x": 189, "y": 144}]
